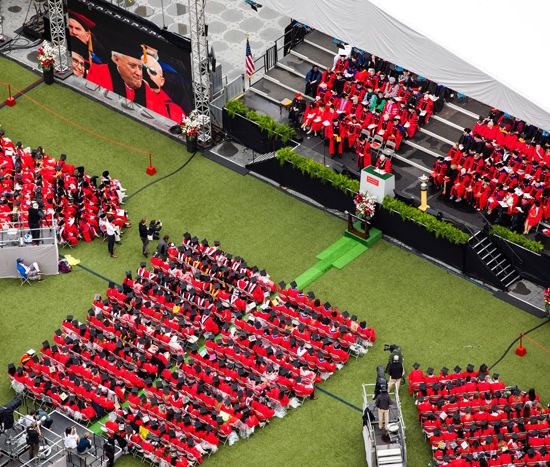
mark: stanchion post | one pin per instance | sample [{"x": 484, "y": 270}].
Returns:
[
  {"x": 10, "y": 101},
  {"x": 151, "y": 170},
  {"x": 520, "y": 350}
]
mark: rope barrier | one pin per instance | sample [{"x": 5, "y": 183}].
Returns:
[
  {"x": 76, "y": 125},
  {"x": 524, "y": 334},
  {"x": 537, "y": 344}
]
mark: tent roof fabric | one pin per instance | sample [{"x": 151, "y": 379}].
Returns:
[{"x": 490, "y": 51}]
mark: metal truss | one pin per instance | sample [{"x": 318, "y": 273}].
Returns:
[
  {"x": 201, "y": 74},
  {"x": 59, "y": 37}
]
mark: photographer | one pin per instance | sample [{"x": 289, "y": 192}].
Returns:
[
  {"x": 33, "y": 439},
  {"x": 144, "y": 236},
  {"x": 70, "y": 438},
  {"x": 155, "y": 226}
]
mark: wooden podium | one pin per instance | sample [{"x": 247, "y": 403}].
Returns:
[{"x": 378, "y": 184}]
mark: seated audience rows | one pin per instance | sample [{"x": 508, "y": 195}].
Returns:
[
  {"x": 361, "y": 97},
  {"x": 501, "y": 165},
  {"x": 471, "y": 418},
  {"x": 136, "y": 356},
  {"x": 35, "y": 186}
]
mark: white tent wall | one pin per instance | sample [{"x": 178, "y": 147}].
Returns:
[{"x": 491, "y": 51}]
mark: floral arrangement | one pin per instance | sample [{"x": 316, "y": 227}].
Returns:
[
  {"x": 365, "y": 205},
  {"x": 46, "y": 57},
  {"x": 191, "y": 123},
  {"x": 547, "y": 300}
]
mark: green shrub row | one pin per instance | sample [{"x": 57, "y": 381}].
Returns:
[
  {"x": 265, "y": 122},
  {"x": 517, "y": 238},
  {"x": 318, "y": 171},
  {"x": 431, "y": 223},
  {"x": 440, "y": 229}
]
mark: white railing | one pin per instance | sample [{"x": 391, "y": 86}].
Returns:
[{"x": 16, "y": 232}]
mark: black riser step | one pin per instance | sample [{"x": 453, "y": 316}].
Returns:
[
  {"x": 496, "y": 257},
  {"x": 480, "y": 243},
  {"x": 488, "y": 254}
]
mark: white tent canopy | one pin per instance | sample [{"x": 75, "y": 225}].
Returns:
[{"x": 492, "y": 50}]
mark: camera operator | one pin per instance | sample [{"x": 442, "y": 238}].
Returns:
[
  {"x": 33, "y": 439},
  {"x": 155, "y": 226},
  {"x": 396, "y": 371},
  {"x": 382, "y": 403}
]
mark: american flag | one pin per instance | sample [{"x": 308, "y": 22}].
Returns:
[{"x": 250, "y": 68}]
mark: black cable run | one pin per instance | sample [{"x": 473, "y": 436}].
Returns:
[
  {"x": 162, "y": 178},
  {"x": 516, "y": 340}
]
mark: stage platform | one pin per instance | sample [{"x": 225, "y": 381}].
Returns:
[{"x": 14, "y": 451}]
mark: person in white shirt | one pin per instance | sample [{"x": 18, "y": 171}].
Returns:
[
  {"x": 111, "y": 231},
  {"x": 70, "y": 438}
]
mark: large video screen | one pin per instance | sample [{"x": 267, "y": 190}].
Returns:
[{"x": 131, "y": 57}]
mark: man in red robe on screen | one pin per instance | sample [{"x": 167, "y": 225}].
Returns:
[{"x": 158, "y": 101}]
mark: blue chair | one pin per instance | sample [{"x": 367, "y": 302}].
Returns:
[{"x": 22, "y": 273}]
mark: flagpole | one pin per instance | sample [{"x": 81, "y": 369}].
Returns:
[{"x": 249, "y": 75}]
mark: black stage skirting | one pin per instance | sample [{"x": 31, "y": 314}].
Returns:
[
  {"x": 248, "y": 133},
  {"x": 287, "y": 176},
  {"x": 529, "y": 265}
]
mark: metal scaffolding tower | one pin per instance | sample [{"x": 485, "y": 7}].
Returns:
[
  {"x": 201, "y": 74},
  {"x": 59, "y": 37}
]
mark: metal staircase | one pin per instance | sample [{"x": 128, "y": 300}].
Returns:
[{"x": 489, "y": 253}]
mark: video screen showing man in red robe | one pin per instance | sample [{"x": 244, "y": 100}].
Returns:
[{"x": 144, "y": 65}]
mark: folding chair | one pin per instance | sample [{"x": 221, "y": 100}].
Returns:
[
  {"x": 23, "y": 280},
  {"x": 390, "y": 144}
]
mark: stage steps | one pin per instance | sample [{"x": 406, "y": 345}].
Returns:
[
  {"x": 323, "y": 41},
  {"x": 314, "y": 55},
  {"x": 489, "y": 253}
]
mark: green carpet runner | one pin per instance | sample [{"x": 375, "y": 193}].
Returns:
[{"x": 338, "y": 255}]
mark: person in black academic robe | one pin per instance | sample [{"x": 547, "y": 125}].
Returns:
[{"x": 297, "y": 109}]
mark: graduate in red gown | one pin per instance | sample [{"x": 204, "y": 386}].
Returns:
[
  {"x": 363, "y": 151},
  {"x": 533, "y": 217},
  {"x": 425, "y": 107}
]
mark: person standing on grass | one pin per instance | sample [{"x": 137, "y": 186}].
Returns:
[
  {"x": 143, "y": 234},
  {"x": 162, "y": 248},
  {"x": 396, "y": 371},
  {"x": 111, "y": 231}
]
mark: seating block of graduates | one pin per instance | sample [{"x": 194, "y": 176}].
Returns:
[
  {"x": 34, "y": 186},
  {"x": 364, "y": 103},
  {"x": 502, "y": 165},
  {"x": 136, "y": 356},
  {"x": 473, "y": 419}
]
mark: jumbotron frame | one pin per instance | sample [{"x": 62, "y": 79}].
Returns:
[
  {"x": 59, "y": 37},
  {"x": 201, "y": 74}
]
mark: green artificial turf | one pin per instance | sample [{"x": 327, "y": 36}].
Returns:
[
  {"x": 16, "y": 75},
  {"x": 438, "y": 318}
]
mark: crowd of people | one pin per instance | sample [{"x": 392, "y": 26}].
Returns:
[
  {"x": 36, "y": 188},
  {"x": 362, "y": 96},
  {"x": 502, "y": 167},
  {"x": 263, "y": 354},
  {"x": 472, "y": 419}
]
